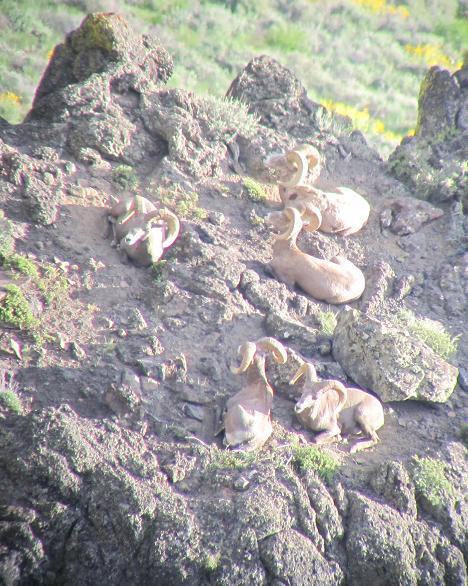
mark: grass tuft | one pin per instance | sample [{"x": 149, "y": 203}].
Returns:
[
  {"x": 431, "y": 332},
  {"x": 327, "y": 320},
  {"x": 8, "y": 392},
  {"x": 313, "y": 458},
  {"x": 255, "y": 191}
]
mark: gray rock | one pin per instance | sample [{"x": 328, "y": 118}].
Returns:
[
  {"x": 293, "y": 559},
  {"x": 409, "y": 214},
  {"x": 389, "y": 361}
]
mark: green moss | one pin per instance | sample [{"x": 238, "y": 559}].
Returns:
[
  {"x": 15, "y": 310},
  {"x": 430, "y": 480},
  {"x": 11, "y": 401},
  {"x": 313, "y": 458},
  {"x": 255, "y": 191}
]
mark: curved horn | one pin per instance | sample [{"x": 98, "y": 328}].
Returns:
[
  {"x": 308, "y": 370},
  {"x": 301, "y": 164},
  {"x": 247, "y": 351},
  {"x": 341, "y": 390},
  {"x": 311, "y": 217},
  {"x": 173, "y": 227},
  {"x": 275, "y": 347},
  {"x": 294, "y": 219}
]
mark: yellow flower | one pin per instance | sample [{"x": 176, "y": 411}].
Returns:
[{"x": 9, "y": 97}]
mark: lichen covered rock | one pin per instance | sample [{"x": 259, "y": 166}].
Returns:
[{"x": 389, "y": 361}]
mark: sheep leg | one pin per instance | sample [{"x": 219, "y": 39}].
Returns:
[
  {"x": 368, "y": 431},
  {"x": 328, "y": 435}
]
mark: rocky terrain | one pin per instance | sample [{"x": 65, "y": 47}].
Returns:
[{"x": 110, "y": 469}]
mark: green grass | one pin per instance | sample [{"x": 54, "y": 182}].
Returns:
[
  {"x": 430, "y": 332},
  {"x": 382, "y": 50},
  {"x": 313, "y": 458},
  {"x": 222, "y": 459},
  {"x": 430, "y": 480}
]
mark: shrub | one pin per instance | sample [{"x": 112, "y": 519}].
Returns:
[
  {"x": 226, "y": 117},
  {"x": 15, "y": 310},
  {"x": 221, "y": 459},
  {"x": 313, "y": 458},
  {"x": 287, "y": 37},
  {"x": 8, "y": 392},
  {"x": 124, "y": 176},
  {"x": 430, "y": 480}
]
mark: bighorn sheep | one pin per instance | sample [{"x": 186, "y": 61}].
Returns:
[
  {"x": 330, "y": 408},
  {"x": 130, "y": 213},
  {"x": 145, "y": 243},
  {"x": 294, "y": 165},
  {"x": 247, "y": 420},
  {"x": 336, "y": 280},
  {"x": 343, "y": 211}
]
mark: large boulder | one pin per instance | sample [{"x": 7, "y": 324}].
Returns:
[{"x": 390, "y": 361}]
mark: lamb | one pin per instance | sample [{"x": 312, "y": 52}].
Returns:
[
  {"x": 247, "y": 420},
  {"x": 331, "y": 409},
  {"x": 343, "y": 211},
  {"x": 294, "y": 165},
  {"x": 336, "y": 280},
  {"x": 146, "y": 242}
]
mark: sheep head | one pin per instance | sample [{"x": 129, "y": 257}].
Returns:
[
  {"x": 294, "y": 222},
  {"x": 311, "y": 217},
  {"x": 315, "y": 394},
  {"x": 294, "y": 165},
  {"x": 248, "y": 350},
  {"x": 146, "y": 243}
]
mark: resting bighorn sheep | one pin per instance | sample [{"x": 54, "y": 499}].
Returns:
[
  {"x": 343, "y": 211},
  {"x": 331, "y": 409},
  {"x": 294, "y": 165},
  {"x": 146, "y": 242},
  {"x": 336, "y": 280},
  {"x": 247, "y": 420}
]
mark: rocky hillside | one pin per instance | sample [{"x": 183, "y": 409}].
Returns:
[{"x": 113, "y": 377}]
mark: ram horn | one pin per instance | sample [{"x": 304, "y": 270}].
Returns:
[
  {"x": 311, "y": 217},
  {"x": 275, "y": 347},
  {"x": 294, "y": 224},
  {"x": 307, "y": 370},
  {"x": 301, "y": 165},
  {"x": 247, "y": 351},
  {"x": 173, "y": 226}
]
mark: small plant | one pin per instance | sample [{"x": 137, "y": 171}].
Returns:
[
  {"x": 430, "y": 332},
  {"x": 124, "y": 176},
  {"x": 430, "y": 480},
  {"x": 327, "y": 320},
  {"x": 255, "y": 219},
  {"x": 8, "y": 392},
  {"x": 255, "y": 191},
  {"x": 157, "y": 270},
  {"x": 7, "y": 241},
  {"x": 226, "y": 117},
  {"x": 313, "y": 458},
  {"x": 211, "y": 562},
  {"x": 15, "y": 310},
  {"x": 184, "y": 203},
  {"x": 21, "y": 264},
  {"x": 226, "y": 459},
  {"x": 464, "y": 434},
  {"x": 53, "y": 285}
]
